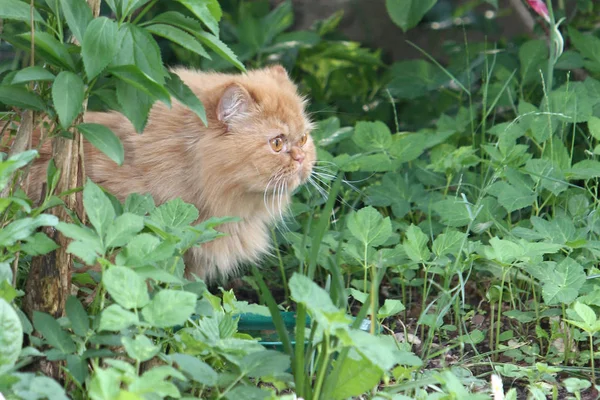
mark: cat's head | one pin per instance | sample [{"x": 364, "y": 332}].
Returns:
[{"x": 266, "y": 131}]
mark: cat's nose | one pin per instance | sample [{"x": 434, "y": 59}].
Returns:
[{"x": 297, "y": 154}]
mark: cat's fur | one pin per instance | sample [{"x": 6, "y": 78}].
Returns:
[{"x": 226, "y": 169}]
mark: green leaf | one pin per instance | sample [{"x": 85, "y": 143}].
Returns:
[
  {"x": 169, "y": 308},
  {"x": 105, "y": 384},
  {"x": 512, "y": 197},
  {"x": 68, "y": 93},
  {"x": 139, "y": 204},
  {"x": 414, "y": 78},
  {"x": 586, "y": 313},
  {"x": 195, "y": 368},
  {"x": 390, "y": 307},
  {"x": 33, "y": 73},
  {"x": 11, "y": 336},
  {"x": 357, "y": 376},
  {"x": 38, "y": 244},
  {"x": 53, "y": 333},
  {"x": 50, "y": 49},
  {"x": 372, "y": 136},
  {"x": 115, "y": 318},
  {"x": 141, "y": 348},
  {"x": 407, "y": 13},
  {"x": 369, "y": 227},
  {"x": 207, "y": 11},
  {"x": 137, "y": 47},
  {"x": 125, "y": 227},
  {"x": 220, "y": 48},
  {"x": 562, "y": 286},
  {"x": 156, "y": 381},
  {"x": 179, "y": 37},
  {"x": 175, "y": 214},
  {"x": 20, "y": 97},
  {"x": 78, "y": 15},
  {"x": 178, "y": 89},
  {"x": 18, "y": 11},
  {"x": 77, "y": 315},
  {"x": 533, "y": 55},
  {"x": 588, "y": 46},
  {"x": 138, "y": 79},
  {"x": 454, "y": 212},
  {"x": 98, "y": 207},
  {"x": 21, "y": 229},
  {"x": 244, "y": 392},
  {"x": 593, "y": 126},
  {"x": 571, "y": 101},
  {"x": 134, "y": 104},
  {"x": 408, "y": 147},
  {"x": 393, "y": 191},
  {"x": 415, "y": 244},
  {"x": 78, "y": 367},
  {"x": 264, "y": 363},
  {"x": 104, "y": 140},
  {"x": 448, "y": 242},
  {"x": 586, "y": 169},
  {"x": 99, "y": 45},
  {"x": 126, "y": 287}
]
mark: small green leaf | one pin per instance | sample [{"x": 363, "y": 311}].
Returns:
[
  {"x": 98, "y": 207},
  {"x": 11, "y": 335},
  {"x": 138, "y": 48},
  {"x": 53, "y": 333},
  {"x": 357, "y": 376},
  {"x": 126, "y": 287},
  {"x": 78, "y": 367},
  {"x": 21, "y": 229},
  {"x": 585, "y": 312},
  {"x": 175, "y": 214},
  {"x": 78, "y": 15},
  {"x": 18, "y": 11},
  {"x": 20, "y": 97},
  {"x": 77, "y": 315},
  {"x": 105, "y": 384},
  {"x": 50, "y": 49},
  {"x": 586, "y": 169},
  {"x": 416, "y": 244},
  {"x": 562, "y": 286},
  {"x": 68, "y": 93},
  {"x": 372, "y": 136},
  {"x": 124, "y": 228},
  {"x": 390, "y": 307},
  {"x": 104, "y": 140},
  {"x": 134, "y": 104},
  {"x": 408, "y": 13},
  {"x": 220, "y": 48},
  {"x": 264, "y": 363},
  {"x": 99, "y": 45},
  {"x": 369, "y": 227},
  {"x": 141, "y": 348},
  {"x": 179, "y": 37},
  {"x": 115, "y": 318},
  {"x": 138, "y": 79},
  {"x": 207, "y": 11},
  {"x": 38, "y": 244},
  {"x": 195, "y": 368},
  {"x": 178, "y": 89},
  {"x": 33, "y": 73},
  {"x": 533, "y": 55},
  {"x": 169, "y": 308},
  {"x": 139, "y": 204},
  {"x": 448, "y": 242}
]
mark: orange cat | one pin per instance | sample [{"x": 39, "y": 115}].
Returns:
[{"x": 254, "y": 152}]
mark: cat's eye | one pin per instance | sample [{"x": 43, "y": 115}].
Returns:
[
  {"x": 303, "y": 140},
  {"x": 276, "y": 143}
]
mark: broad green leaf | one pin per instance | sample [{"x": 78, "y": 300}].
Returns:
[
  {"x": 369, "y": 227},
  {"x": 49, "y": 49},
  {"x": 126, "y": 287},
  {"x": 357, "y": 376},
  {"x": 415, "y": 244},
  {"x": 11, "y": 336},
  {"x": 547, "y": 174},
  {"x": 220, "y": 48},
  {"x": 53, "y": 333},
  {"x": 593, "y": 126},
  {"x": 390, "y": 307},
  {"x": 264, "y": 363},
  {"x": 83, "y": 251},
  {"x": 78, "y": 15},
  {"x": 78, "y": 367},
  {"x": 141, "y": 348},
  {"x": 99, "y": 45},
  {"x": 512, "y": 197},
  {"x": 449, "y": 242},
  {"x": 179, "y": 37},
  {"x": 195, "y": 368},
  {"x": 98, "y": 207},
  {"x": 586, "y": 313},
  {"x": 316, "y": 299},
  {"x": 372, "y": 136},
  {"x": 408, "y": 146},
  {"x": 124, "y": 228},
  {"x": 21, "y": 229},
  {"x": 179, "y": 20},
  {"x": 68, "y": 93},
  {"x": 408, "y": 13},
  {"x": 77, "y": 315},
  {"x": 503, "y": 251},
  {"x": 571, "y": 102},
  {"x": 207, "y": 11},
  {"x": 175, "y": 214},
  {"x": 157, "y": 381},
  {"x": 138, "y": 79},
  {"x": 533, "y": 56},
  {"x": 19, "y": 11},
  {"x": 586, "y": 169},
  {"x": 105, "y": 384},
  {"x": 454, "y": 212},
  {"x": 135, "y": 104},
  {"x": 588, "y": 46},
  {"x": 38, "y": 244},
  {"x": 104, "y": 140},
  {"x": 393, "y": 191},
  {"x": 178, "y": 89},
  {"x": 115, "y": 318},
  {"x": 246, "y": 392},
  {"x": 19, "y": 96},
  {"x": 414, "y": 78},
  {"x": 169, "y": 308},
  {"x": 562, "y": 286},
  {"x": 139, "y": 204},
  {"x": 33, "y": 73},
  {"x": 137, "y": 47},
  {"x": 373, "y": 162},
  {"x": 145, "y": 249}
]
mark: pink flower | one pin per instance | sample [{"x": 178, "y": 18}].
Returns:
[{"x": 539, "y": 6}]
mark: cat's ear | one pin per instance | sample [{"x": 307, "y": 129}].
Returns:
[
  {"x": 234, "y": 101},
  {"x": 278, "y": 70}
]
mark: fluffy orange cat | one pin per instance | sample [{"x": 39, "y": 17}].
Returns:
[{"x": 256, "y": 149}]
